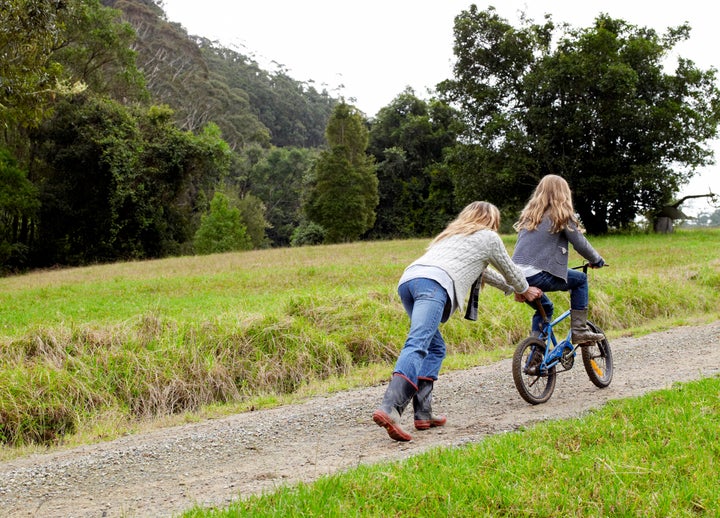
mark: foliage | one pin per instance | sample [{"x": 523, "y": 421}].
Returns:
[
  {"x": 18, "y": 205},
  {"x": 295, "y": 113},
  {"x": 29, "y": 79},
  {"x": 596, "y": 108},
  {"x": 204, "y": 81},
  {"x": 344, "y": 193},
  {"x": 252, "y": 214},
  {"x": 114, "y": 177},
  {"x": 408, "y": 139},
  {"x": 708, "y": 219},
  {"x": 221, "y": 229},
  {"x": 307, "y": 233},
  {"x": 120, "y": 183},
  {"x": 278, "y": 179},
  {"x": 97, "y": 50}
]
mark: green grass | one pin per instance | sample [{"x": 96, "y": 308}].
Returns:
[
  {"x": 87, "y": 354},
  {"x": 653, "y": 456}
]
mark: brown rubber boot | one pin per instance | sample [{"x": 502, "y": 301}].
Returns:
[
  {"x": 581, "y": 333},
  {"x": 397, "y": 395},
  {"x": 422, "y": 404}
]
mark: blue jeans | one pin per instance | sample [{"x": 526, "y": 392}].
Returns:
[
  {"x": 424, "y": 350},
  {"x": 577, "y": 285}
]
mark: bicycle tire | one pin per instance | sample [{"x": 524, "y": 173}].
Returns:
[
  {"x": 597, "y": 359},
  {"x": 533, "y": 387}
]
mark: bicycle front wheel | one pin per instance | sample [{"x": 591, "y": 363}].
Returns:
[
  {"x": 597, "y": 359},
  {"x": 534, "y": 386}
]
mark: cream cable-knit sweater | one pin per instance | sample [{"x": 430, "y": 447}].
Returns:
[{"x": 465, "y": 258}]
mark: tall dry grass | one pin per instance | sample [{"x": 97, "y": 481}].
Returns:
[{"x": 142, "y": 340}]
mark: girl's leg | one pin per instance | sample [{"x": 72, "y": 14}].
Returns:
[
  {"x": 577, "y": 283},
  {"x": 537, "y": 320},
  {"x": 548, "y": 283},
  {"x": 579, "y": 299}
]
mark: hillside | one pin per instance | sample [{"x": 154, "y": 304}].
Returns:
[{"x": 206, "y": 82}]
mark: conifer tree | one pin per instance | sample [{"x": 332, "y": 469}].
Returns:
[{"x": 344, "y": 191}]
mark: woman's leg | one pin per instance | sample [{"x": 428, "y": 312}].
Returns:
[
  {"x": 437, "y": 349},
  {"x": 424, "y": 301}
]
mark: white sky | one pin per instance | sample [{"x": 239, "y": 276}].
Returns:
[{"x": 368, "y": 51}]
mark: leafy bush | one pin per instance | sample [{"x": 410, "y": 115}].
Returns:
[
  {"x": 308, "y": 233},
  {"x": 221, "y": 230}
]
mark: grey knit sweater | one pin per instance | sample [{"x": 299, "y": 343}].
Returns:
[
  {"x": 465, "y": 258},
  {"x": 548, "y": 251}
]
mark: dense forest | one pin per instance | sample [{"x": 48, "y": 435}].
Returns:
[{"x": 124, "y": 137}]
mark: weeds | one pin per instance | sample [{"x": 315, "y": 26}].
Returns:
[{"x": 138, "y": 341}]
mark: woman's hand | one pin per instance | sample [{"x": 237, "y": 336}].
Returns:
[{"x": 531, "y": 293}]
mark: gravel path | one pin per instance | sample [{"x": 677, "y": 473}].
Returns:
[{"x": 212, "y": 463}]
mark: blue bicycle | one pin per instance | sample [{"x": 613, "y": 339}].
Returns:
[{"x": 537, "y": 359}]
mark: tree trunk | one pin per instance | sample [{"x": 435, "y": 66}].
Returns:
[{"x": 663, "y": 225}]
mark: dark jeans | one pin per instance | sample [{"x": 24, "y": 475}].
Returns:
[{"x": 576, "y": 284}]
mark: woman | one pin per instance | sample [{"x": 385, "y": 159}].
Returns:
[
  {"x": 431, "y": 289},
  {"x": 546, "y": 225}
]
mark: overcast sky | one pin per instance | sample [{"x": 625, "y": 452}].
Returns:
[{"x": 369, "y": 51}]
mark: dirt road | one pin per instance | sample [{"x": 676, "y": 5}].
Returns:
[{"x": 214, "y": 462}]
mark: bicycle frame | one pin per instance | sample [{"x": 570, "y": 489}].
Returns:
[
  {"x": 554, "y": 350},
  {"x": 557, "y": 352}
]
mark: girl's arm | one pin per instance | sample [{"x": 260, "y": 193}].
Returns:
[{"x": 581, "y": 244}]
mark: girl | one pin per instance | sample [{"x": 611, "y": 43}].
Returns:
[{"x": 546, "y": 225}]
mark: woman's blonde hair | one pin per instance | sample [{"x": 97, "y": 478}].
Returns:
[
  {"x": 553, "y": 197},
  {"x": 479, "y": 215}
]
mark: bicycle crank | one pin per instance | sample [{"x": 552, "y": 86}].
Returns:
[{"x": 567, "y": 360}]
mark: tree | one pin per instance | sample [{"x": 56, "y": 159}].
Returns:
[
  {"x": 662, "y": 218},
  {"x": 221, "y": 229},
  {"x": 708, "y": 219},
  {"x": 408, "y": 139},
  {"x": 97, "y": 50},
  {"x": 344, "y": 193},
  {"x": 29, "y": 31},
  {"x": 121, "y": 183},
  {"x": 18, "y": 207},
  {"x": 596, "y": 108},
  {"x": 252, "y": 215},
  {"x": 278, "y": 179}
]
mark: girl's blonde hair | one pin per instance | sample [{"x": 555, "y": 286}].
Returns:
[
  {"x": 479, "y": 215},
  {"x": 553, "y": 197}
]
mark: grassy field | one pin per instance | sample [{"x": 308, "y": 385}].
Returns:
[
  {"x": 653, "y": 456},
  {"x": 87, "y": 354}
]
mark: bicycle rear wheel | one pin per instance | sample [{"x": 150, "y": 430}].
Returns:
[
  {"x": 597, "y": 359},
  {"x": 534, "y": 387}
]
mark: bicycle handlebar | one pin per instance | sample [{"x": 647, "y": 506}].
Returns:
[{"x": 584, "y": 267}]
